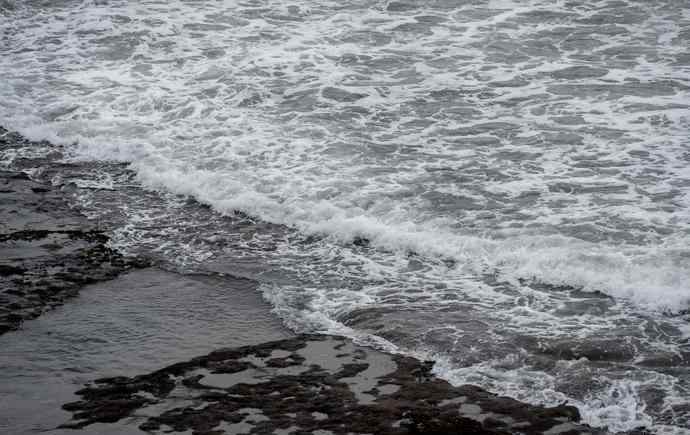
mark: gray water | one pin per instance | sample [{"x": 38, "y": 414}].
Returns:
[
  {"x": 500, "y": 185},
  {"x": 135, "y": 324}
]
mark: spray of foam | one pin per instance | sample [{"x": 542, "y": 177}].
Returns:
[
  {"x": 200, "y": 106},
  {"x": 653, "y": 277}
]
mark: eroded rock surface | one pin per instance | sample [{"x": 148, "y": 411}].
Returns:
[
  {"x": 311, "y": 384},
  {"x": 48, "y": 250}
]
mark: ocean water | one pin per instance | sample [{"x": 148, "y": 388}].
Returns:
[{"x": 503, "y": 186}]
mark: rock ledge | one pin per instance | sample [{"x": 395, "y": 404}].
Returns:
[
  {"x": 310, "y": 384},
  {"x": 48, "y": 250}
]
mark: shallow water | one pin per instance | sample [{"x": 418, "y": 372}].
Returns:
[
  {"x": 501, "y": 185},
  {"x": 137, "y": 323}
]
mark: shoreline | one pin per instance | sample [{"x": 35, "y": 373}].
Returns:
[
  {"x": 72, "y": 308},
  {"x": 310, "y": 384},
  {"x": 48, "y": 250},
  {"x": 60, "y": 240}
]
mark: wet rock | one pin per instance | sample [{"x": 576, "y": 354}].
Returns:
[
  {"x": 48, "y": 250},
  {"x": 310, "y": 384}
]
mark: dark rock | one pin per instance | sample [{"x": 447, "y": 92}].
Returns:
[
  {"x": 307, "y": 384},
  {"x": 48, "y": 250}
]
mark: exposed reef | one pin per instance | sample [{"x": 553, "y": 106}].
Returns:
[
  {"x": 310, "y": 384},
  {"x": 48, "y": 250}
]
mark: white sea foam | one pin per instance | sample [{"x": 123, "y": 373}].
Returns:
[
  {"x": 651, "y": 276},
  {"x": 472, "y": 145},
  {"x": 617, "y": 407}
]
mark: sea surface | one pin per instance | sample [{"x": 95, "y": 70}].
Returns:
[{"x": 503, "y": 186}]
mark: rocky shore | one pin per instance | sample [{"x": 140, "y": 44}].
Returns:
[
  {"x": 48, "y": 251},
  {"x": 310, "y": 384}
]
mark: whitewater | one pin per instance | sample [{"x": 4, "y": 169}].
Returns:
[{"x": 503, "y": 186}]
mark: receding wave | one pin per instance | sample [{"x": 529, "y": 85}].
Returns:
[{"x": 523, "y": 163}]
